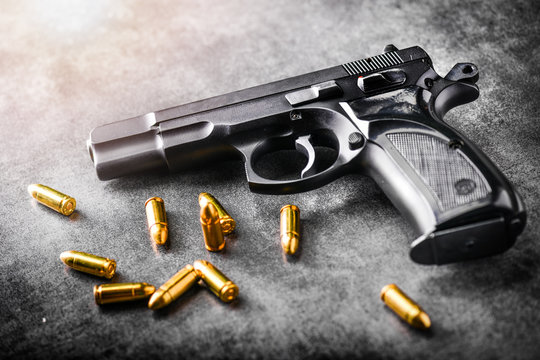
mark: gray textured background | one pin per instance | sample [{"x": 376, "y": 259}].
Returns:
[{"x": 68, "y": 66}]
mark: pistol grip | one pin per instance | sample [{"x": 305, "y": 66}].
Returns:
[
  {"x": 459, "y": 203},
  {"x": 461, "y": 206}
]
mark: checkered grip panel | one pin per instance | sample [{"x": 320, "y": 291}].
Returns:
[{"x": 453, "y": 179}]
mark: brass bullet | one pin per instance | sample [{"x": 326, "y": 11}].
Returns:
[
  {"x": 289, "y": 228},
  {"x": 62, "y": 203},
  {"x": 119, "y": 292},
  {"x": 173, "y": 288},
  {"x": 211, "y": 228},
  {"x": 216, "y": 281},
  {"x": 227, "y": 222},
  {"x": 88, "y": 263},
  {"x": 157, "y": 220},
  {"x": 405, "y": 307}
]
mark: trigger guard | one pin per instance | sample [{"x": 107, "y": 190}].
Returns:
[
  {"x": 328, "y": 128},
  {"x": 261, "y": 185}
]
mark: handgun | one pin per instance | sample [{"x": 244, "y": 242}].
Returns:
[{"x": 381, "y": 116}]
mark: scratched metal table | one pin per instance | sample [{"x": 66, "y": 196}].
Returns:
[{"x": 68, "y": 66}]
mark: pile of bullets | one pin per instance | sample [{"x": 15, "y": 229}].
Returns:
[
  {"x": 201, "y": 271},
  {"x": 215, "y": 224}
]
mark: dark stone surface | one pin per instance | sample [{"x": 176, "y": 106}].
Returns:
[{"x": 68, "y": 66}]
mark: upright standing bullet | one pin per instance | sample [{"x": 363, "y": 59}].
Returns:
[
  {"x": 119, "y": 292},
  {"x": 227, "y": 222},
  {"x": 62, "y": 203},
  {"x": 289, "y": 228},
  {"x": 88, "y": 263},
  {"x": 211, "y": 228},
  {"x": 405, "y": 307},
  {"x": 157, "y": 220},
  {"x": 173, "y": 288},
  {"x": 216, "y": 281}
]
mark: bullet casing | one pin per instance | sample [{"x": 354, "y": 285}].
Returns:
[
  {"x": 157, "y": 220},
  {"x": 173, "y": 288},
  {"x": 216, "y": 281},
  {"x": 228, "y": 224},
  {"x": 54, "y": 199},
  {"x": 120, "y": 292},
  {"x": 405, "y": 307},
  {"x": 289, "y": 228},
  {"x": 211, "y": 228},
  {"x": 90, "y": 264}
]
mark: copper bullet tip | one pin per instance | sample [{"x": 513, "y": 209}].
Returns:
[
  {"x": 157, "y": 301},
  {"x": 149, "y": 289},
  {"x": 289, "y": 242},
  {"x": 422, "y": 321},
  {"x": 159, "y": 234},
  {"x": 386, "y": 288},
  {"x": 209, "y": 214},
  {"x": 173, "y": 288},
  {"x": 67, "y": 258},
  {"x": 32, "y": 190}
]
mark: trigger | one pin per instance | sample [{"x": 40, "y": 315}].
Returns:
[{"x": 304, "y": 146}]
